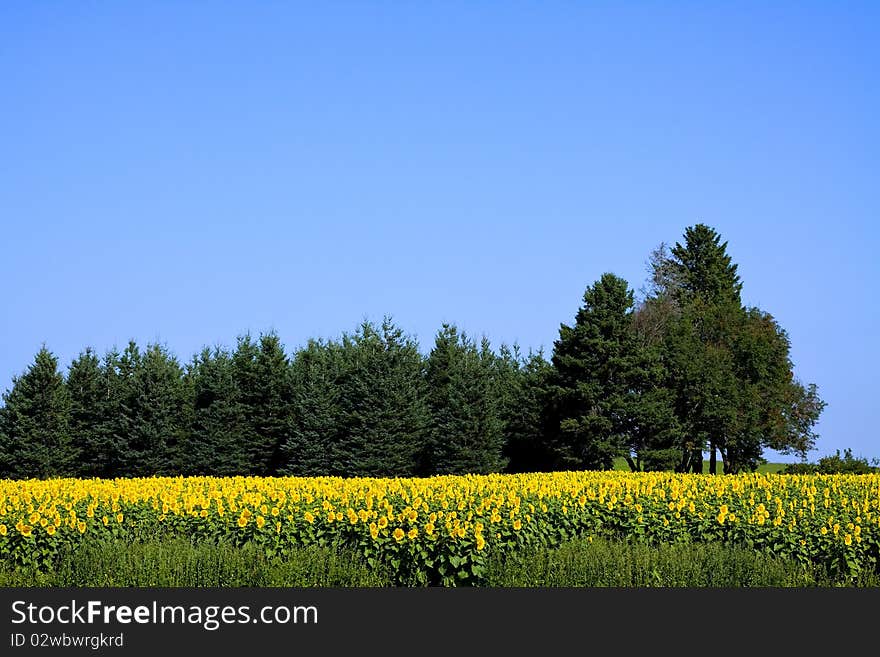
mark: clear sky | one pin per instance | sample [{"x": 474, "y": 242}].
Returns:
[{"x": 185, "y": 172}]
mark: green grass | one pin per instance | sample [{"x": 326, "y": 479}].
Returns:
[
  {"x": 176, "y": 563},
  {"x": 772, "y": 468},
  {"x": 601, "y": 563},
  {"x": 578, "y": 563}
]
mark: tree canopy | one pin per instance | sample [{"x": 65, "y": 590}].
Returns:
[{"x": 684, "y": 370}]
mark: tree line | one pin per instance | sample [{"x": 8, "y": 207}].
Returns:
[{"x": 686, "y": 370}]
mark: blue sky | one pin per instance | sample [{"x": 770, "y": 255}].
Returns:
[{"x": 186, "y": 172}]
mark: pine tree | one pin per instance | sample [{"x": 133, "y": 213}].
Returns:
[
  {"x": 264, "y": 379},
  {"x": 213, "y": 444},
  {"x": 151, "y": 422},
  {"x": 521, "y": 402},
  {"x": 122, "y": 408},
  {"x": 507, "y": 383},
  {"x": 466, "y": 434},
  {"x": 113, "y": 431},
  {"x": 86, "y": 392},
  {"x": 381, "y": 399},
  {"x": 701, "y": 268},
  {"x": 244, "y": 376},
  {"x": 316, "y": 416},
  {"x": 34, "y": 441},
  {"x": 597, "y": 401}
]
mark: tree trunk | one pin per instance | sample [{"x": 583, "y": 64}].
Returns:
[
  {"x": 684, "y": 465},
  {"x": 713, "y": 459},
  {"x": 697, "y": 462},
  {"x": 632, "y": 465}
]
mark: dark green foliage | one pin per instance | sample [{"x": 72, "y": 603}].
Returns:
[
  {"x": 122, "y": 406},
  {"x": 315, "y": 411},
  {"x": 702, "y": 269},
  {"x": 152, "y": 411},
  {"x": 358, "y": 406},
  {"x": 213, "y": 445},
  {"x": 846, "y": 464},
  {"x": 521, "y": 389},
  {"x": 263, "y": 376},
  {"x": 87, "y": 392},
  {"x": 691, "y": 369},
  {"x": 699, "y": 288},
  {"x": 599, "y": 402},
  {"x": 654, "y": 431},
  {"x": 800, "y": 468},
  {"x": 762, "y": 369},
  {"x": 702, "y": 376},
  {"x": 794, "y": 421},
  {"x": 836, "y": 464},
  {"x": 728, "y": 368},
  {"x": 466, "y": 432},
  {"x": 33, "y": 423},
  {"x": 111, "y": 432},
  {"x": 383, "y": 414}
]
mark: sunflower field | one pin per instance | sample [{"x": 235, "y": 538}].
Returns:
[{"x": 439, "y": 530}]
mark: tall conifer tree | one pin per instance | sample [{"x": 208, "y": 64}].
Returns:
[
  {"x": 263, "y": 371},
  {"x": 382, "y": 403},
  {"x": 86, "y": 392},
  {"x": 153, "y": 411},
  {"x": 213, "y": 443},
  {"x": 466, "y": 432},
  {"x": 601, "y": 376},
  {"x": 33, "y": 423},
  {"x": 316, "y": 420}
]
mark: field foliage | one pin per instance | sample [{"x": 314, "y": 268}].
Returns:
[{"x": 440, "y": 530}]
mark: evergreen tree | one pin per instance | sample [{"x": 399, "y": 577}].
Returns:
[
  {"x": 121, "y": 370},
  {"x": 702, "y": 269},
  {"x": 466, "y": 433},
  {"x": 507, "y": 382},
  {"x": 316, "y": 420},
  {"x": 601, "y": 371},
  {"x": 708, "y": 286},
  {"x": 151, "y": 418},
  {"x": 245, "y": 380},
  {"x": 33, "y": 423},
  {"x": 522, "y": 402},
  {"x": 266, "y": 392},
  {"x": 86, "y": 391},
  {"x": 382, "y": 403},
  {"x": 112, "y": 430},
  {"x": 213, "y": 444}
]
